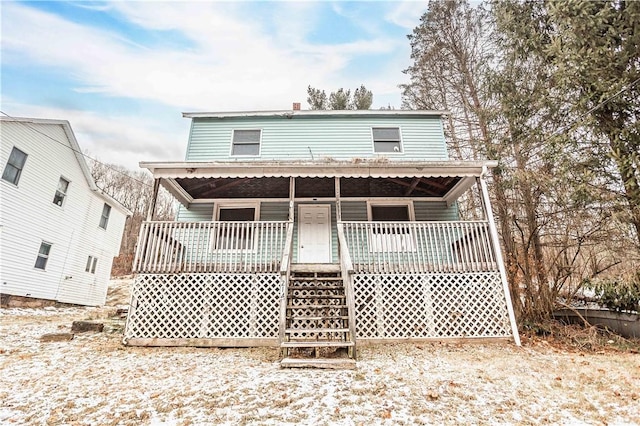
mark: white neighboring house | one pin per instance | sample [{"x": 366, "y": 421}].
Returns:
[{"x": 59, "y": 233}]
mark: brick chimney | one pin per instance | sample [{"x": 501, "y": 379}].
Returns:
[{"x": 296, "y": 106}]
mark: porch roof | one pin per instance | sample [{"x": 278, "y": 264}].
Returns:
[{"x": 446, "y": 180}]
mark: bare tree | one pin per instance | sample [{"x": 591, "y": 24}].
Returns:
[{"x": 134, "y": 191}]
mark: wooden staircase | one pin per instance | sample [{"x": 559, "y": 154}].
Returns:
[{"x": 316, "y": 333}]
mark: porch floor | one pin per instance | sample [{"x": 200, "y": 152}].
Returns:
[{"x": 315, "y": 267}]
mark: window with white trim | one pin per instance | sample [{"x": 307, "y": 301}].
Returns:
[
  {"x": 246, "y": 142},
  {"x": 386, "y": 140},
  {"x": 390, "y": 234},
  {"x": 15, "y": 164},
  {"x": 61, "y": 192},
  {"x": 231, "y": 233},
  {"x": 43, "y": 256},
  {"x": 92, "y": 262},
  {"x": 104, "y": 218}
]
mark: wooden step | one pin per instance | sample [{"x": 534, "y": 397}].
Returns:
[
  {"x": 316, "y": 330},
  {"x": 313, "y": 279},
  {"x": 316, "y": 306},
  {"x": 315, "y": 267},
  {"x": 318, "y": 318},
  {"x": 316, "y": 287},
  {"x": 317, "y": 296},
  {"x": 315, "y": 344},
  {"x": 328, "y": 363}
]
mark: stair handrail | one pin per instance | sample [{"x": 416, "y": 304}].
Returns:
[
  {"x": 287, "y": 250},
  {"x": 285, "y": 272},
  {"x": 346, "y": 266}
]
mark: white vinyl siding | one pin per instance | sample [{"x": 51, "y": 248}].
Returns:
[{"x": 28, "y": 217}]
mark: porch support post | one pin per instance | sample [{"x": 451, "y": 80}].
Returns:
[
  {"x": 292, "y": 195},
  {"x": 338, "y": 202},
  {"x": 498, "y": 252},
  {"x": 154, "y": 199}
]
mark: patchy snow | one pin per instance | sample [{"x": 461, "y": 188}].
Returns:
[{"x": 94, "y": 379}]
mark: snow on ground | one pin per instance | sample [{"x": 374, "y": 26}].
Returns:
[{"x": 94, "y": 379}]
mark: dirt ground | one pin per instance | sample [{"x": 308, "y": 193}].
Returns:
[{"x": 94, "y": 379}]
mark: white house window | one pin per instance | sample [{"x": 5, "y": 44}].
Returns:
[
  {"x": 43, "y": 256},
  {"x": 246, "y": 142},
  {"x": 389, "y": 234},
  {"x": 232, "y": 233},
  {"x": 92, "y": 262},
  {"x": 104, "y": 219},
  {"x": 386, "y": 140},
  {"x": 15, "y": 164},
  {"x": 61, "y": 192}
]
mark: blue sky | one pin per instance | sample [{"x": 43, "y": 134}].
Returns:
[{"x": 123, "y": 72}]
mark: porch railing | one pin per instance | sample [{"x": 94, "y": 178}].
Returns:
[
  {"x": 417, "y": 247},
  {"x": 170, "y": 247}
]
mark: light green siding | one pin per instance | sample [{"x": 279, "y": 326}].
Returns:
[
  {"x": 278, "y": 211},
  {"x": 196, "y": 213},
  {"x": 430, "y": 211},
  {"x": 304, "y": 138},
  {"x": 424, "y": 211},
  {"x": 354, "y": 211}
]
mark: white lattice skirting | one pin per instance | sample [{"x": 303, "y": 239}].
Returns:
[
  {"x": 204, "y": 310},
  {"x": 243, "y": 309},
  {"x": 424, "y": 306}
]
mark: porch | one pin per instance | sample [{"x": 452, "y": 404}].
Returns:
[{"x": 232, "y": 282}]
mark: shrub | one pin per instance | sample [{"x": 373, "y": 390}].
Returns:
[{"x": 619, "y": 293}]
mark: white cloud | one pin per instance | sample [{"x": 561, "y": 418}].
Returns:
[
  {"x": 122, "y": 140},
  {"x": 232, "y": 64},
  {"x": 407, "y": 13}
]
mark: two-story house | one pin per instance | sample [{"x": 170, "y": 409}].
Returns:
[
  {"x": 318, "y": 229},
  {"x": 59, "y": 233}
]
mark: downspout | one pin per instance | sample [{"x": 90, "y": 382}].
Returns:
[
  {"x": 63, "y": 275},
  {"x": 498, "y": 252}
]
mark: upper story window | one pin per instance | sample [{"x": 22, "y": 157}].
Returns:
[
  {"x": 386, "y": 140},
  {"x": 43, "y": 256},
  {"x": 61, "y": 192},
  {"x": 246, "y": 142},
  {"x": 13, "y": 169},
  {"x": 104, "y": 219}
]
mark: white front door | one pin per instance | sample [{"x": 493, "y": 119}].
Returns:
[{"x": 314, "y": 233}]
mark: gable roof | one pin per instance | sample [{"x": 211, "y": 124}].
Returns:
[{"x": 75, "y": 147}]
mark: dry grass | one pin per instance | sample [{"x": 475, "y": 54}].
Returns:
[{"x": 579, "y": 338}]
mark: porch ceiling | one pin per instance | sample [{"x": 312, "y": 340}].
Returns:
[
  {"x": 278, "y": 187},
  {"x": 189, "y": 181}
]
